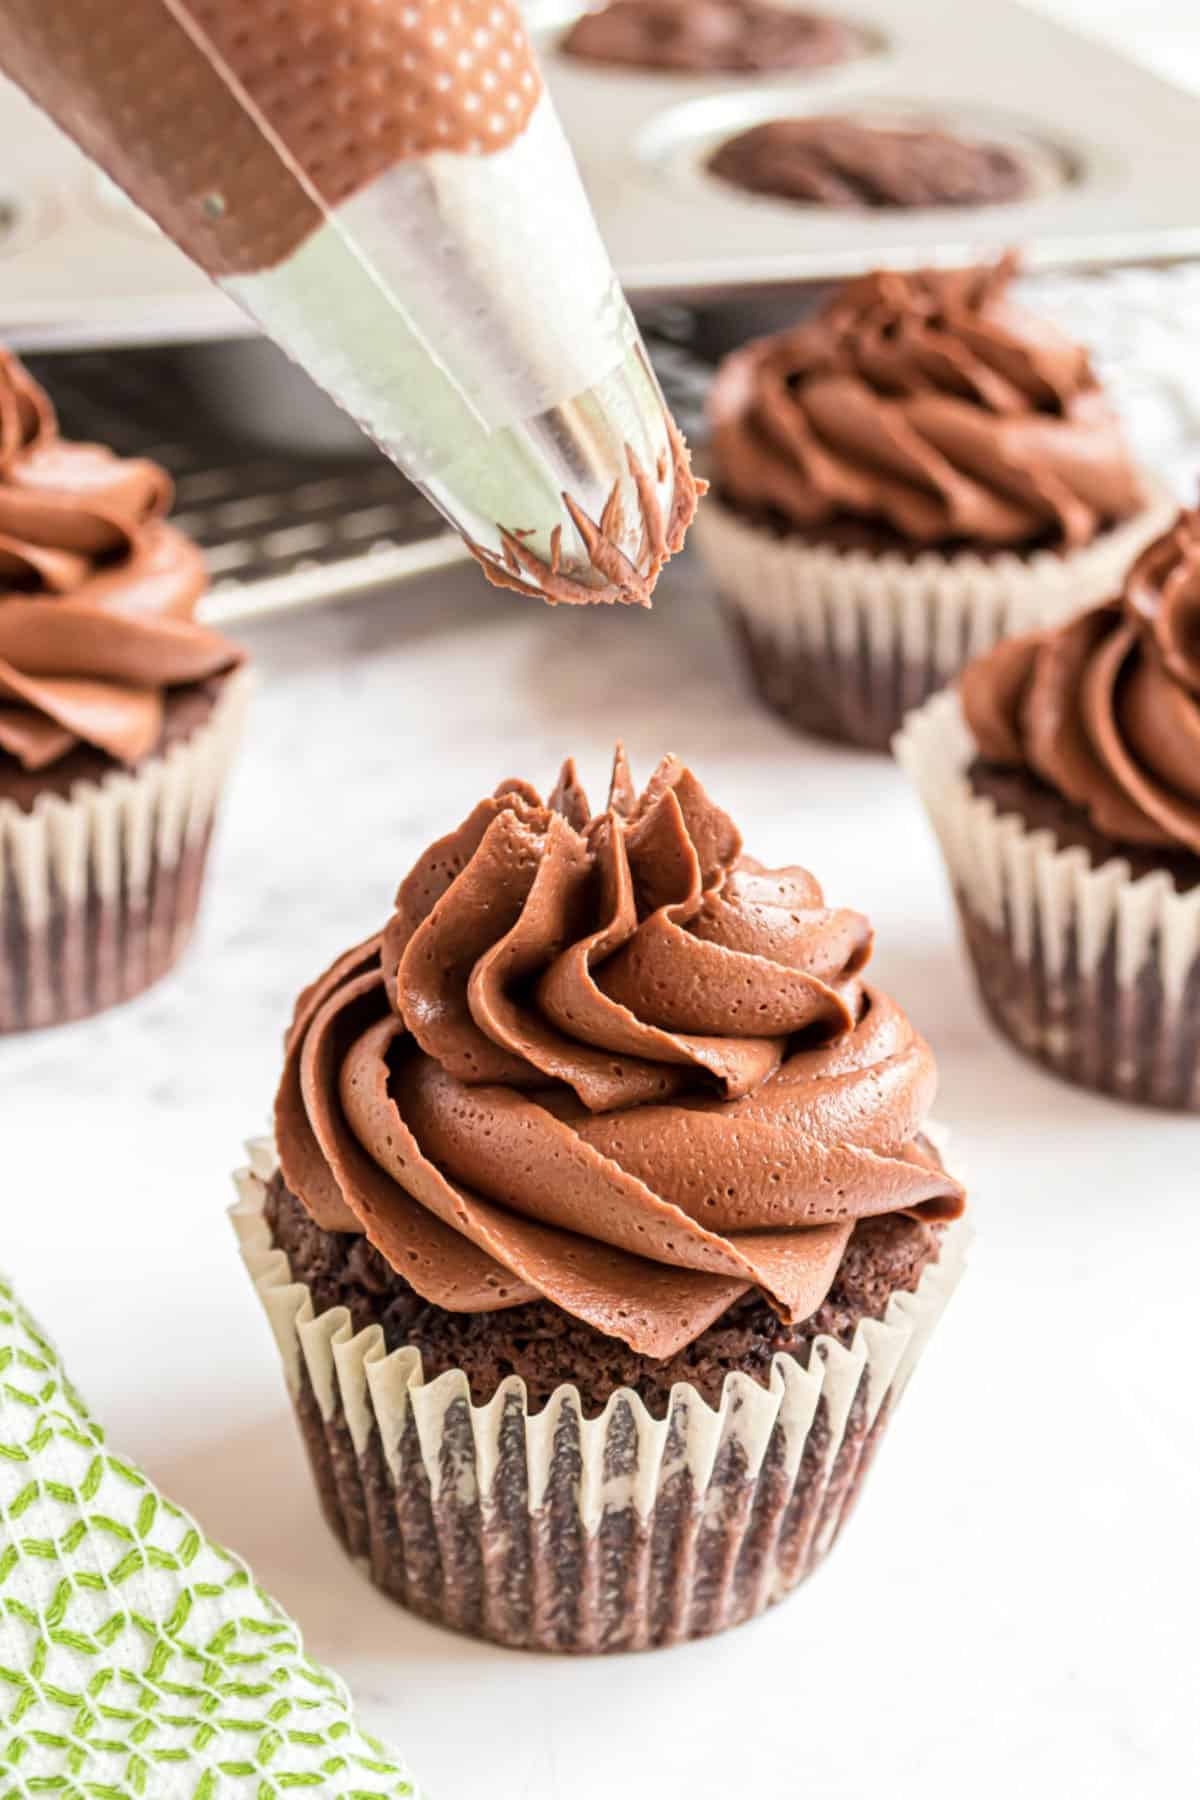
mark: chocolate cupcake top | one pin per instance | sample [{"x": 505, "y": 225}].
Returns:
[
  {"x": 613, "y": 1062},
  {"x": 709, "y": 35},
  {"x": 833, "y": 161},
  {"x": 96, "y": 592},
  {"x": 929, "y": 404},
  {"x": 846, "y": 162},
  {"x": 1105, "y": 709}
]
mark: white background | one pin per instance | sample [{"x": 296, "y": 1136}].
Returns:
[{"x": 1013, "y": 1610}]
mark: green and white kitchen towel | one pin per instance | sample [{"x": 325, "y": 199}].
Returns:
[{"x": 136, "y": 1657}]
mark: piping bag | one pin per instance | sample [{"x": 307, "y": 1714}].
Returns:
[{"x": 384, "y": 186}]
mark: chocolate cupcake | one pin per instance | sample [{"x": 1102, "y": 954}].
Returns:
[
  {"x": 601, "y": 1231},
  {"x": 853, "y": 163},
  {"x": 1064, "y": 783},
  {"x": 118, "y": 715},
  {"x": 918, "y": 471},
  {"x": 709, "y": 36}
]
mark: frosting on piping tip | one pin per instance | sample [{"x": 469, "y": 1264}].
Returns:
[
  {"x": 96, "y": 591},
  {"x": 611, "y": 1061},
  {"x": 621, "y": 581},
  {"x": 1105, "y": 709},
  {"x": 930, "y": 404}
]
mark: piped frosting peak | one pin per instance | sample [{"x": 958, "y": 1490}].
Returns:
[
  {"x": 1105, "y": 708},
  {"x": 609, "y": 1060},
  {"x": 932, "y": 405}
]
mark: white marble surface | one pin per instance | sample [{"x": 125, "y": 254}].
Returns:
[{"x": 1013, "y": 1608}]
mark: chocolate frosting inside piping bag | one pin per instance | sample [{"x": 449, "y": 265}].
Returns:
[
  {"x": 389, "y": 193},
  {"x": 96, "y": 591},
  {"x": 1106, "y": 708},
  {"x": 612, "y": 1062}
]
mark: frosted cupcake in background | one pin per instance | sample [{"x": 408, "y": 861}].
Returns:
[
  {"x": 118, "y": 716},
  {"x": 602, "y": 1230},
  {"x": 915, "y": 473},
  {"x": 1064, "y": 784}
]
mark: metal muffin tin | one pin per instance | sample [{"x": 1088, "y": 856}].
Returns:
[
  {"x": 1110, "y": 147},
  {"x": 1113, "y": 148}
]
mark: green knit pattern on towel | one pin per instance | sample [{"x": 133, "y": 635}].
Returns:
[{"x": 136, "y": 1657}]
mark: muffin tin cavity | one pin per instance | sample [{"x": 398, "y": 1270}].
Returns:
[
  {"x": 836, "y": 42},
  {"x": 679, "y": 145}
]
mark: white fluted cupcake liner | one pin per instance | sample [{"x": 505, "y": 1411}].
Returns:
[
  {"x": 99, "y": 891},
  {"x": 844, "y": 643},
  {"x": 1094, "y": 973},
  {"x": 552, "y": 1531}
]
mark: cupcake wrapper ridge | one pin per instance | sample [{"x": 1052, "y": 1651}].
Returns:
[
  {"x": 844, "y": 643},
  {"x": 547, "y": 1530},
  {"x": 98, "y": 892},
  {"x": 1091, "y": 972}
]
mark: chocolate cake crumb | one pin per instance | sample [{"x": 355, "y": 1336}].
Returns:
[
  {"x": 547, "y": 1347},
  {"x": 1041, "y": 808}
]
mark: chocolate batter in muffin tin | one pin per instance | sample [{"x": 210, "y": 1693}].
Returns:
[{"x": 1084, "y": 182}]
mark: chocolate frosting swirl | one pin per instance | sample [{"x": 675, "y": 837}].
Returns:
[
  {"x": 929, "y": 404},
  {"x": 1106, "y": 708},
  {"x": 96, "y": 591},
  {"x": 610, "y": 1061}
]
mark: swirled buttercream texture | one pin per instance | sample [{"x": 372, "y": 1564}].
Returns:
[
  {"x": 929, "y": 404},
  {"x": 613, "y": 1062},
  {"x": 97, "y": 591},
  {"x": 1105, "y": 709}
]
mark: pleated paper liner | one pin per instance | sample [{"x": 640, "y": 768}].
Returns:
[
  {"x": 547, "y": 1530},
  {"x": 843, "y": 643},
  {"x": 99, "y": 892},
  {"x": 1091, "y": 972}
]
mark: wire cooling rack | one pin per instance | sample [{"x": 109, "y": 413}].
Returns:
[
  {"x": 284, "y": 530},
  {"x": 277, "y": 530}
]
